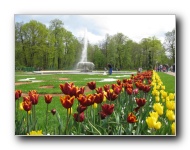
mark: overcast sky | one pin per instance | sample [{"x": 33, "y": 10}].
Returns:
[{"x": 134, "y": 27}]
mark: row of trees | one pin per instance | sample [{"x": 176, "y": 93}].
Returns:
[{"x": 57, "y": 48}]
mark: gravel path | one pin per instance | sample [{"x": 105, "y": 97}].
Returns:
[{"x": 170, "y": 73}]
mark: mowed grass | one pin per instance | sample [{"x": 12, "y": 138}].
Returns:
[
  {"x": 56, "y": 79},
  {"x": 168, "y": 81}
]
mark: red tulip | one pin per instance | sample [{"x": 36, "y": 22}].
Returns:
[
  {"x": 140, "y": 101},
  {"x": 92, "y": 85},
  {"x": 81, "y": 108},
  {"x": 53, "y": 111},
  {"x": 131, "y": 118},
  {"x": 34, "y": 98},
  {"x": 79, "y": 117},
  {"x": 17, "y": 94},
  {"x": 48, "y": 98},
  {"x": 108, "y": 108},
  {"x": 99, "y": 98},
  {"x": 27, "y": 104},
  {"x": 67, "y": 101},
  {"x": 111, "y": 96}
]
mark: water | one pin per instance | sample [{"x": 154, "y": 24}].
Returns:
[
  {"x": 83, "y": 65},
  {"x": 84, "y": 51}
]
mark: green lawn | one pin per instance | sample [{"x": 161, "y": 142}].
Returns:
[
  {"x": 168, "y": 81},
  {"x": 54, "y": 80}
]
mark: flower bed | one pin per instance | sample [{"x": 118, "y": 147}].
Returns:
[{"x": 135, "y": 106}]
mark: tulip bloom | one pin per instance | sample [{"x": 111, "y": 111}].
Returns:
[
  {"x": 66, "y": 88},
  {"x": 102, "y": 115},
  {"x": 106, "y": 87},
  {"x": 67, "y": 101},
  {"x": 136, "y": 91},
  {"x": 140, "y": 101},
  {"x": 108, "y": 109},
  {"x": 80, "y": 91},
  {"x": 154, "y": 114},
  {"x": 32, "y": 92},
  {"x": 129, "y": 91},
  {"x": 99, "y": 90},
  {"x": 119, "y": 82},
  {"x": 18, "y": 94},
  {"x": 111, "y": 95},
  {"x": 69, "y": 111},
  {"x": 170, "y": 115},
  {"x": 171, "y": 96},
  {"x": 35, "y": 133},
  {"x": 173, "y": 128},
  {"x": 79, "y": 117},
  {"x": 27, "y": 104},
  {"x": 81, "y": 108},
  {"x": 86, "y": 100},
  {"x": 95, "y": 105},
  {"x": 170, "y": 105},
  {"x": 117, "y": 89},
  {"x": 152, "y": 123},
  {"x": 99, "y": 98},
  {"x": 146, "y": 88},
  {"x": 131, "y": 118},
  {"x": 158, "y": 107},
  {"x": 92, "y": 85},
  {"x": 48, "y": 98},
  {"x": 34, "y": 98},
  {"x": 53, "y": 111}
]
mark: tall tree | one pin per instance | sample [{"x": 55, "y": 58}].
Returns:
[
  {"x": 57, "y": 33},
  {"x": 169, "y": 44}
]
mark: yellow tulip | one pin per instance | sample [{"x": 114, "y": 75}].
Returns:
[
  {"x": 151, "y": 121},
  {"x": 70, "y": 111},
  {"x": 173, "y": 128},
  {"x": 35, "y": 133},
  {"x": 157, "y": 98},
  {"x": 164, "y": 94},
  {"x": 171, "y": 96},
  {"x": 158, "y": 108},
  {"x": 157, "y": 125},
  {"x": 170, "y": 115},
  {"x": 95, "y": 105},
  {"x": 154, "y": 114},
  {"x": 170, "y": 105},
  {"x": 163, "y": 87},
  {"x": 21, "y": 106}
]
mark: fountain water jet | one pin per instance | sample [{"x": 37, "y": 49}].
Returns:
[{"x": 83, "y": 65}]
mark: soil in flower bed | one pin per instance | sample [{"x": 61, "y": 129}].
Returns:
[
  {"x": 47, "y": 87},
  {"x": 64, "y": 79},
  {"x": 19, "y": 83}
]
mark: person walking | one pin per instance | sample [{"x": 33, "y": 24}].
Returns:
[{"x": 110, "y": 69}]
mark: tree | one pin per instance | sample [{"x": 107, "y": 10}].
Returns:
[
  {"x": 169, "y": 44},
  {"x": 57, "y": 35}
]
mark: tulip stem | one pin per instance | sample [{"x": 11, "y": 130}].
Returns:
[
  {"x": 27, "y": 122},
  {"x": 46, "y": 118}
]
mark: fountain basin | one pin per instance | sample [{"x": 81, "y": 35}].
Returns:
[{"x": 85, "y": 66}]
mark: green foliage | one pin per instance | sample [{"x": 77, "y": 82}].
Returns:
[{"x": 57, "y": 48}]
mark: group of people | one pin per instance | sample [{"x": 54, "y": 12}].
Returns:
[{"x": 165, "y": 68}]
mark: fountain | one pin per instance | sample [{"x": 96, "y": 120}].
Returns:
[{"x": 83, "y": 65}]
